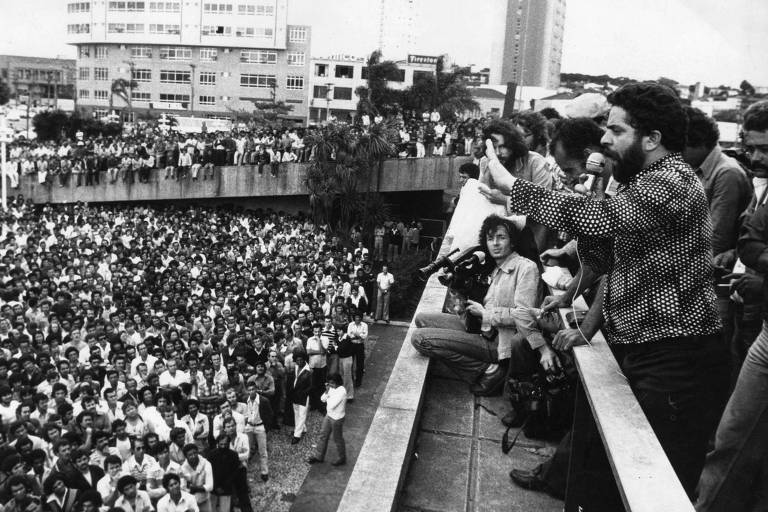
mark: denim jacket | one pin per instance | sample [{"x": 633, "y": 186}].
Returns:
[{"x": 514, "y": 290}]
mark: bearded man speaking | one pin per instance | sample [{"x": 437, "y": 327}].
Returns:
[{"x": 657, "y": 305}]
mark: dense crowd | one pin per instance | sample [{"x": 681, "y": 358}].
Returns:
[
  {"x": 148, "y": 355},
  {"x": 136, "y": 154}
]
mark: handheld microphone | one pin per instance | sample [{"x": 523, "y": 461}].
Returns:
[{"x": 595, "y": 163}]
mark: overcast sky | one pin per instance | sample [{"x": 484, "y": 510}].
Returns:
[{"x": 713, "y": 41}]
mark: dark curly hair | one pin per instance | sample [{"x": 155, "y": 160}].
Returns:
[
  {"x": 702, "y": 129},
  {"x": 652, "y": 106},
  {"x": 575, "y": 135},
  {"x": 536, "y": 124},
  {"x": 522, "y": 241},
  {"x": 512, "y": 138},
  {"x": 756, "y": 117}
]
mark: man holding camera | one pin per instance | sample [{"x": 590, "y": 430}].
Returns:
[
  {"x": 482, "y": 360},
  {"x": 657, "y": 304}
]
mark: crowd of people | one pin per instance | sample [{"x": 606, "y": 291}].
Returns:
[
  {"x": 148, "y": 355},
  {"x": 667, "y": 234},
  {"x": 153, "y": 150}
]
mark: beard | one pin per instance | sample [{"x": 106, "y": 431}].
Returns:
[{"x": 628, "y": 164}]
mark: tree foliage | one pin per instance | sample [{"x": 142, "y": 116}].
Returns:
[
  {"x": 446, "y": 91},
  {"x": 344, "y": 159},
  {"x": 377, "y": 97},
  {"x": 747, "y": 89},
  {"x": 121, "y": 87},
  {"x": 581, "y": 78},
  {"x": 5, "y": 92},
  {"x": 56, "y": 124}
]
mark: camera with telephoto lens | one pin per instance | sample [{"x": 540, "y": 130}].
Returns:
[{"x": 465, "y": 273}]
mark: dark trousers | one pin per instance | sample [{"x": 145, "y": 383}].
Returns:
[
  {"x": 359, "y": 363},
  {"x": 319, "y": 376},
  {"x": 680, "y": 384}
]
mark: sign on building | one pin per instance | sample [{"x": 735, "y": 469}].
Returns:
[{"x": 422, "y": 59}]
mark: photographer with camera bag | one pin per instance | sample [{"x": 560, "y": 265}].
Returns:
[{"x": 483, "y": 359}]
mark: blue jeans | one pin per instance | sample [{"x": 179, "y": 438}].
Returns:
[
  {"x": 734, "y": 477},
  {"x": 443, "y": 336}
]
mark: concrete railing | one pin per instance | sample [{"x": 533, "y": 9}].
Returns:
[
  {"x": 394, "y": 175},
  {"x": 643, "y": 474}
]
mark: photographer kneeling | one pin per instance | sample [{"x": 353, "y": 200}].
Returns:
[{"x": 484, "y": 359}]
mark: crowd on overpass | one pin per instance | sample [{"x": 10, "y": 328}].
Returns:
[
  {"x": 152, "y": 151},
  {"x": 148, "y": 357}
]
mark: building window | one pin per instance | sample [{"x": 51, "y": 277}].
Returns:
[
  {"x": 84, "y": 52},
  {"x": 246, "y": 10},
  {"x": 83, "y": 94},
  {"x": 76, "y": 7},
  {"x": 174, "y": 98},
  {"x": 175, "y": 77},
  {"x": 421, "y": 75},
  {"x": 207, "y": 100},
  {"x": 295, "y": 82},
  {"x": 217, "y": 8},
  {"x": 101, "y": 74},
  {"x": 171, "y": 53},
  {"x": 258, "y": 57},
  {"x": 207, "y": 78},
  {"x": 321, "y": 70},
  {"x": 209, "y": 54},
  {"x": 102, "y": 52},
  {"x": 265, "y": 10},
  {"x": 164, "y": 6},
  {"x": 295, "y": 58},
  {"x": 342, "y": 93},
  {"x": 141, "y": 52},
  {"x": 345, "y": 71},
  {"x": 141, "y": 96},
  {"x": 125, "y": 28},
  {"x": 84, "y": 73},
  {"x": 79, "y": 28},
  {"x": 127, "y": 6},
  {"x": 215, "y": 30},
  {"x": 244, "y": 32},
  {"x": 142, "y": 75},
  {"x": 297, "y": 35},
  {"x": 259, "y": 81},
  {"x": 101, "y": 95},
  {"x": 160, "y": 28},
  {"x": 320, "y": 91}
]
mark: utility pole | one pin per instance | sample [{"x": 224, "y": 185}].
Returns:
[
  {"x": 192, "y": 86},
  {"x": 5, "y": 137}
]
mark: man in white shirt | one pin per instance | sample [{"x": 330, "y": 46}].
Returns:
[
  {"x": 384, "y": 282},
  {"x": 198, "y": 474},
  {"x": 335, "y": 398},
  {"x": 176, "y": 500},
  {"x": 173, "y": 377}
]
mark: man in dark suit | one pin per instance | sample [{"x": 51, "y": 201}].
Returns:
[
  {"x": 87, "y": 475},
  {"x": 302, "y": 385}
]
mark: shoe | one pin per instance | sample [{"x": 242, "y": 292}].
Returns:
[
  {"x": 528, "y": 478},
  {"x": 313, "y": 460},
  {"x": 264, "y": 477},
  {"x": 295, "y": 440},
  {"x": 489, "y": 384},
  {"x": 339, "y": 462}
]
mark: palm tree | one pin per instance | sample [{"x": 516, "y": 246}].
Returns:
[
  {"x": 122, "y": 88},
  {"x": 377, "y": 97},
  {"x": 446, "y": 92}
]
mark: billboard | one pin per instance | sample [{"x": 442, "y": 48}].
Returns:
[{"x": 422, "y": 59}]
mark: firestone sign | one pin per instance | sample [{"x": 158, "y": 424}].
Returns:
[{"x": 422, "y": 59}]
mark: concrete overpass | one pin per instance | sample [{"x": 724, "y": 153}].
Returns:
[{"x": 397, "y": 175}]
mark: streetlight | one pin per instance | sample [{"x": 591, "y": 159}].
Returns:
[{"x": 192, "y": 86}]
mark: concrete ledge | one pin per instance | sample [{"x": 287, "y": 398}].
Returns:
[
  {"x": 383, "y": 460},
  {"x": 396, "y": 175}
]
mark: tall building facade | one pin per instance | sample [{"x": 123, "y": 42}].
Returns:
[
  {"x": 42, "y": 80},
  {"x": 205, "y": 58},
  {"x": 528, "y": 47},
  {"x": 397, "y": 22}
]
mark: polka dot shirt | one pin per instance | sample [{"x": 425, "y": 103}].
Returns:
[{"x": 654, "y": 242}]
